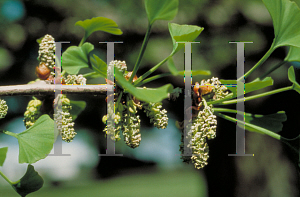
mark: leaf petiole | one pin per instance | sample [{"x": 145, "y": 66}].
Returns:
[
  {"x": 254, "y": 96},
  {"x": 149, "y": 72},
  {"x": 271, "y": 70},
  {"x": 265, "y": 131},
  {"x": 154, "y": 78},
  {"x": 259, "y": 63},
  {"x": 82, "y": 40},
  {"x": 11, "y": 134},
  {"x": 142, "y": 51},
  {"x": 7, "y": 179}
]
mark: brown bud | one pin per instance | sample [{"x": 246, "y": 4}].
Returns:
[
  {"x": 129, "y": 75},
  {"x": 42, "y": 71}
]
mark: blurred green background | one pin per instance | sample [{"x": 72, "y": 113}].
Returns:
[{"x": 153, "y": 169}]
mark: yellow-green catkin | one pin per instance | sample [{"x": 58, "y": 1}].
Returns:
[
  {"x": 220, "y": 91},
  {"x": 131, "y": 126},
  {"x": 32, "y": 113},
  {"x": 157, "y": 115},
  {"x": 75, "y": 80},
  {"x": 117, "y": 120},
  {"x": 63, "y": 119},
  {"x": 203, "y": 127},
  {"x": 47, "y": 52},
  {"x": 3, "y": 108}
]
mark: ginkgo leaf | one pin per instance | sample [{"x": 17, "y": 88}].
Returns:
[
  {"x": 29, "y": 183},
  {"x": 183, "y": 33},
  {"x": 161, "y": 9},
  {"x": 293, "y": 55},
  {"x": 272, "y": 122},
  {"x": 75, "y": 58},
  {"x": 36, "y": 142},
  {"x": 99, "y": 24},
  {"x": 99, "y": 66},
  {"x": 3, "y": 152},
  {"x": 286, "y": 21},
  {"x": 249, "y": 87},
  {"x": 292, "y": 78},
  {"x": 144, "y": 94}
]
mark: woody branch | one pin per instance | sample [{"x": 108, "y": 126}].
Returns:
[{"x": 47, "y": 89}]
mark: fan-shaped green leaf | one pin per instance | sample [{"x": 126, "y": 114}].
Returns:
[
  {"x": 183, "y": 33},
  {"x": 75, "y": 58},
  {"x": 249, "y": 87},
  {"x": 272, "y": 122},
  {"x": 292, "y": 78},
  {"x": 29, "y": 183},
  {"x": 36, "y": 142},
  {"x": 257, "y": 85},
  {"x": 291, "y": 74},
  {"x": 144, "y": 94},
  {"x": 286, "y": 21},
  {"x": 99, "y": 66},
  {"x": 161, "y": 9},
  {"x": 99, "y": 24},
  {"x": 293, "y": 55},
  {"x": 3, "y": 152},
  {"x": 250, "y": 126}
]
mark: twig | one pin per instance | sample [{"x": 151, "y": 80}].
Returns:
[{"x": 38, "y": 89}]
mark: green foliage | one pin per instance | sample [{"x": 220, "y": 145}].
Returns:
[
  {"x": 183, "y": 33},
  {"x": 249, "y": 87},
  {"x": 36, "y": 142},
  {"x": 175, "y": 72},
  {"x": 29, "y": 183},
  {"x": 292, "y": 78},
  {"x": 161, "y": 9},
  {"x": 195, "y": 72},
  {"x": 286, "y": 21},
  {"x": 293, "y": 55},
  {"x": 75, "y": 58},
  {"x": 98, "y": 24},
  {"x": 144, "y": 94},
  {"x": 3, "y": 152},
  {"x": 99, "y": 66},
  {"x": 257, "y": 85},
  {"x": 272, "y": 122}
]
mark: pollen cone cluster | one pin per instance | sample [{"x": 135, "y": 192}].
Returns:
[
  {"x": 32, "y": 113},
  {"x": 157, "y": 116},
  {"x": 47, "y": 52},
  {"x": 203, "y": 127},
  {"x": 75, "y": 80},
  {"x": 125, "y": 115},
  {"x": 132, "y": 123},
  {"x": 63, "y": 118},
  {"x": 3, "y": 108}
]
